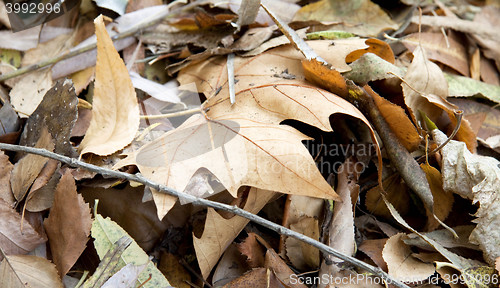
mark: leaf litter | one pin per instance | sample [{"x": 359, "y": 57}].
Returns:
[{"x": 250, "y": 150}]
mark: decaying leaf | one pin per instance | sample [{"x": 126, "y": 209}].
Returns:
[
  {"x": 477, "y": 178},
  {"x": 20, "y": 271},
  {"x": 5, "y": 174},
  {"x": 115, "y": 113},
  {"x": 68, "y": 225},
  {"x": 12, "y": 240},
  {"x": 401, "y": 264},
  {"x": 361, "y": 17},
  {"x": 31, "y": 88},
  {"x": 443, "y": 200},
  {"x": 220, "y": 232}
]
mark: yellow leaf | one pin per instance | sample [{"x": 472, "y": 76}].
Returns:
[{"x": 115, "y": 113}]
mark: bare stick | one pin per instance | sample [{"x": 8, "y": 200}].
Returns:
[{"x": 204, "y": 202}]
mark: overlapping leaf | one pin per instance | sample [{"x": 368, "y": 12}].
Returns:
[{"x": 244, "y": 143}]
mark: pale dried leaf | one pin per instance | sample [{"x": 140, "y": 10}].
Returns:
[
  {"x": 401, "y": 264},
  {"x": 115, "y": 113},
  {"x": 68, "y": 225},
  {"x": 361, "y": 17},
  {"x": 4, "y": 17},
  {"x": 220, "y": 232},
  {"x": 477, "y": 178},
  {"x": 126, "y": 277},
  {"x": 303, "y": 256},
  {"x": 30, "y": 90},
  {"x": 28, "y": 271},
  {"x": 22, "y": 40}
]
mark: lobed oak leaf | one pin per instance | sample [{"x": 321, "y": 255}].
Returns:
[{"x": 244, "y": 143}]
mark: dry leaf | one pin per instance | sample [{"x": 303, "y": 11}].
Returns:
[
  {"x": 27, "y": 169},
  {"x": 443, "y": 200},
  {"x": 428, "y": 94},
  {"x": 68, "y": 225},
  {"x": 22, "y": 271},
  {"x": 258, "y": 278},
  {"x": 170, "y": 267},
  {"x": 436, "y": 47},
  {"x": 231, "y": 266},
  {"x": 303, "y": 256},
  {"x": 5, "y": 174},
  {"x": 396, "y": 193},
  {"x": 361, "y": 17},
  {"x": 401, "y": 264},
  {"x": 399, "y": 122},
  {"x": 57, "y": 112},
  {"x": 477, "y": 178},
  {"x": 253, "y": 251},
  {"x": 341, "y": 229},
  {"x": 115, "y": 113},
  {"x": 30, "y": 90},
  {"x": 373, "y": 248},
  {"x": 220, "y": 232},
  {"x": 12, "y": 240},
  {"x": 281, "y": 269}
]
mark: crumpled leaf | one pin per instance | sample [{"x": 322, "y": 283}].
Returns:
[
  {"x": 428, "y": 93},
  {"x": 106, "y": 232},
  {"x": 220, "y": 232},
  {"x": 12, "y": 239},
  {"x": 20, "y": 271},
  {"x": 477, "y": 178},
  {"x": 115, "y": 113},
  {"x": 68, "y": 225},
  {"x": 361, "y": 17},
  {"x": 401, "y": 264}
]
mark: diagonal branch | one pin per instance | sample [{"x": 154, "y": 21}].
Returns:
[{"x": 204, "y": 202}]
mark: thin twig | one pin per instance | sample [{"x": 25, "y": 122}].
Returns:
[
  {"x": 171, "y": 115},
  {"x": 204, "y": 202},
  {"x": 130, "y": 32}
]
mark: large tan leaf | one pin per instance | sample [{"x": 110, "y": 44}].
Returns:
[
  {"x": 68, "y": 225},
  {"x": 115, "y": 113},
  {"x": 401, "y": 264},
  {"x": 428, "y": 93},
  {"x": 20, "y": 271},
  {"x": 249, "y": 147},
  {"x": 12, "y": 239},
  {"x": 220, "y": 232}
]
